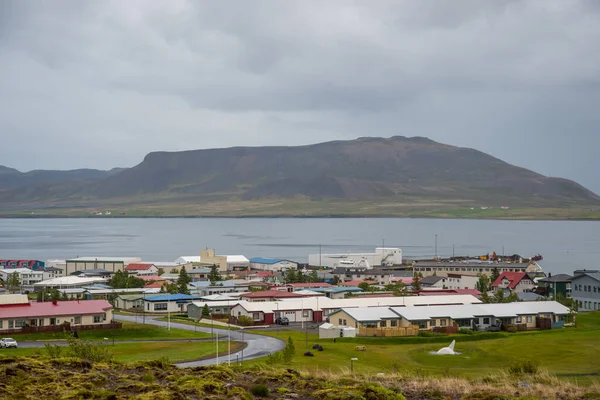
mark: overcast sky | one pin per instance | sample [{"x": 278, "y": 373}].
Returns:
[{"x": 101, "y": 84}]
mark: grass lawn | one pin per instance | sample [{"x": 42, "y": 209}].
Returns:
[
  {"x": 148, "y": 351},
  {"x": 130, "y": 331},
  {"x": 188, "y": 321},
  {"x": 570, "y": 353}
]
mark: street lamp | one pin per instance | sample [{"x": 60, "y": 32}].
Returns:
[{"x": 352, "y": 363}]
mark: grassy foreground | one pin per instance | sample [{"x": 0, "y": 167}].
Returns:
[
  {"x": 65, "y": 378},
  {"x": 129, "y": 352},
  {"x": 130, "y": 331},
  {"x": 569, "y": 354}
]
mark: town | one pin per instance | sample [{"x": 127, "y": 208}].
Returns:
[{"x": 374, "y": 294}]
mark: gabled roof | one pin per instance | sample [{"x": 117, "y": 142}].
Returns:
[
  {"x": 557, "y": 278},
  {"x": 338, "y": 289},
  {"x": 49, "y": 309},
  {"x": 592, "y": 274},
  {"x": 268, "y": 261},
  {"x": 513, "y": 277},
  {"x": 237, "y": 259},
  {"x": 172, "y": 297},
  {"x": 431, "y": 280},
  {"x": 277, "y": 294},
  {"x": 139, "y": 267},
  {"x": 309, "y": 285}
]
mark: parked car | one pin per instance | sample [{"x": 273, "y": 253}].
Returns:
[
  {"x": 282, "y": 321},
  {"x": 495, "y": 328},
  {"x": 5, "y": 343}
]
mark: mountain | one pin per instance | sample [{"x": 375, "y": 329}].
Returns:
[{"x": 390, "y": 169}]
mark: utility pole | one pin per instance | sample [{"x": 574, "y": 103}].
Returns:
[
  {"x": 320, "y": 263},
  {"x": 436, "y": 246},
  {"x": 229, "y": 336},
  {"x": 452, "y": 251}
]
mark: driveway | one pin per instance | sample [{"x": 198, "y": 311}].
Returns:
[{"x": 257, "y": 345}]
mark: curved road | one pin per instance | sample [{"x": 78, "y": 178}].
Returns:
[{"x": 257, "y": 345}]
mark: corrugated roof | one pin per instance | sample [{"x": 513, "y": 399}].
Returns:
[
  {"x": 49, "y": 309},
  {"x": 277, "y": 294},
  {"x": 513, "y": 277},
  {"x": 100, "y": 259},
  {"x": 268, "y": 261},
  {"x": 172, "y": 297},
  {"x": 557, "y": 278},
  {"x": 14, "y": 299},
  {"x": 138, "y": 267},
  {"x": 69, "y": 281},
  {"x": 237, "y": 259}
]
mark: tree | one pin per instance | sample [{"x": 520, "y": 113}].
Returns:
[
  {"x": 336, "y": 280},
  {"x": 13, "y": 282},
  {"x": 365, "y": 286},
  {"x": 290, "y": 276},
  {"x": 183, "y": 281},
  {"x": 41, "y": 296},
  {"x": 64, "y": 296},
  {"x": 205, "y": 311},
  {"x": 174, "y": 271},
  {"x": 161, "y": 271},
  {"x": 289, "y": 351},
  {"x": 301, "y": 277},
  {"x": 54, "y": 295},
  {"x": 416, "y": 283},
  {"x": 122, "y": 280},
  {"x": 170, "y": 288},
  {"x": 483, "y": 284},
  {"x": 313, "y": 276},
  {"x": 495, "y": 275},
  {"x": 214, "y": 275}
]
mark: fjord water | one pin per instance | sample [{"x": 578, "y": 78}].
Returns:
[{"x": 565, "y": 245}]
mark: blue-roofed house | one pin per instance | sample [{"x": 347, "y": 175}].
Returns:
[
  {"x": 337, "y": 292},
  {"x": 163, "y": 303},
  {"x": 272, "y": 264}
]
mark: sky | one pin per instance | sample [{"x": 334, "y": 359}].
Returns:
[{"x": 99, "y": 84}]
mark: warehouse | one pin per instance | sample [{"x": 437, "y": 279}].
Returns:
[
  {"x": 112, "y": 264},
  {"x": 272, "y": 264}
]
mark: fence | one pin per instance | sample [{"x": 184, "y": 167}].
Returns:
[
  {"x": 448, "y": 330},
  {"x": 61, "y": 328},
  {"x": 411, "y": 330}
]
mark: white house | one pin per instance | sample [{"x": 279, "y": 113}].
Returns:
[
  {"x": 461, "y": 281},
  {"x": 163, "y": 303},
  {"x": 517, "y": 282},
  {"x": 27, "y": 277}
]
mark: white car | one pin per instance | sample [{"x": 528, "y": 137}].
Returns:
[{"x": 5, "y": 343}]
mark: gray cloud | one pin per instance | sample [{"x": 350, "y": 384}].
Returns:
[{"x": 101, "y": 83}]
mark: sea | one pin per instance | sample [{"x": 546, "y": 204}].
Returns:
[{"x": 565, "y": 245}]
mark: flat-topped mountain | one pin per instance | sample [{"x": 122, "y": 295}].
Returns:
[{"x": 365, "y": 168}]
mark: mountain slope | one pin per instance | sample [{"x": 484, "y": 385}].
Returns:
[
  {"x": 393, "y": 169},
  {"x": 11, "y": 178}
]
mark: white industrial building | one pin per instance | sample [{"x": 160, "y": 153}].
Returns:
[
  {"x": 272, "y": 264},
  {"x": 383, "y": 256}
]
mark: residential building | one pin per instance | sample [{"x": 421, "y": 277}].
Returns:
[
  {"x": 52, "y": 272},
  {"x": 220, "y": 308},
  {"x": 516, "y": 282},
  {"x": 272, "y": 264},
  {"x": 21, "y": 314},
  {"x": 383, "y": 257},
  {"x": 112, "y": 264},
  {"x": 585, "y": 289},
  {"x": 27, "y": 277},
  {"x": 199, "y": 273},
  {"x": 176, "y": 303},
  {"x": 140, "y": 269},
  {"x": 272, "y": 295},
  {"x": 338, "y": 292},
  {"x": 67, "y": 282},
  {"x": 34, "y": 265},
  {"x": 461, "y": 281},
  {"x": 436, "y": 282},
  {"x": 133, "y": 302},
  {"x": 167, "y": 266},
  {"x": 442, "y": 268},
  {"x": 555, "y": 285},
  {"x": 380, "y": 276}
]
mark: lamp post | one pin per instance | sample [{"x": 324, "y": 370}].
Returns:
[
  {"x": 352, "y": 363},
  {"x": 229, "y": 335}
]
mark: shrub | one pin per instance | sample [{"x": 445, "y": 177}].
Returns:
[
  {"x": 430, "y": 334},
  {"x": 289, "y": 351},
  {"x": 53, "y": 350},
  {"x": 511, "y": 329},
  {"x": 89, "y": 351},
  {"x": 260, "y": 390},
  {"x": 245, "y": 321},
  {"x": 466, "y": 331},
  {"x": 522, "y": 367}
]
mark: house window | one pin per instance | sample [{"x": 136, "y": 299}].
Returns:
[
  {"x": 52, "y": 321},
  {"x": 393, "y": 323},
  {"x": 442, "y": 322},
  {"x": 529, "y": 319},
  {"x": 97, "y": 319},
  {"x": 519, "y": 320},
  {"x": 77, "y": 321},
  {"x": 160, "y": 307},
  {"x": 422, "y": 324},
  {"x": 432, "y": 322},
  {"x": 256, "y": 316},
  {"x": 383, "y": 324},
  {"x": 486, "y": 321}
]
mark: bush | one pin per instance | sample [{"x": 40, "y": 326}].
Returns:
[
  {"x": 53, "y": 350},
  {"x": 511, "y": 329},
  {"x": 260, "y": 390},
  {"x": 90, "y": 351},
  {"x": 289, "y": 351},
  {"x": 245, "y": 321},
  {"x": 466, "y": 331},
  {"x": 523, "y": 367},
  {"x": 430, "y": 334}
]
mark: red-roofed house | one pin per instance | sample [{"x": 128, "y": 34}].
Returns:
[
  {"x": 517, "y": 282},
  {"x": 43, "y": 316},
  {"x": 269, "y": 295},
  {"x": 142, "y": 269},
  {"x": 157, "y": 284}
]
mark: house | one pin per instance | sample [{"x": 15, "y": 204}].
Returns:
[
  {"x": 34, "y": 265},
  {"x": 177, "y": 303},
  {"x": 338, "y": 292},
  {"x": 272, "y": 264},
  {"x": 438, "y": 292},
  {"x": 218, "y": 308},
  {"x": 169, "y": 266},
  {"x": 356, "y": 282},
  {"x": 263, "y": 313},
  {"x": 19, "y": 314},
  {"x": 269, "y": 295},
  {"x": 183, "y": 260},
  {"x": 585, "y": 289},
  {"x": 153, "y": 279},
  {"x": 436, "y": 282},
  {"x": 514, "y": 282},
  {"x": 52, "y": 272},
  {"x": 292, "y": 287},
  {"x": 140, "y": 269},
  {"x": 379, "y": 275},
  {"x": 112, "y": 264},
  {"x": 199, "y": 273},
  {"x": 27, "y": 277},
  {"x": 461, "y": 281},
  {"x": 130, "y": 301},
  {"x": 67, "y": 282},
  {"x": 555, "y": 285}
]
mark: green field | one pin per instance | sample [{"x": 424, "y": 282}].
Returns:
[
  {"x": 187, "y": 321},
  {"x": 128, "y": 352},
  {"x": 567, "y": 353},
  {"x": 130, "y": 331}
]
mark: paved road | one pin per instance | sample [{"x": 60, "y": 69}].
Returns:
[
  {"x": 257, "y": 345},
  {"x": 31, "y": 344}
]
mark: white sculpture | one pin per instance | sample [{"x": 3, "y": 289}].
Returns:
[{"x": 447, "y": 350}]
